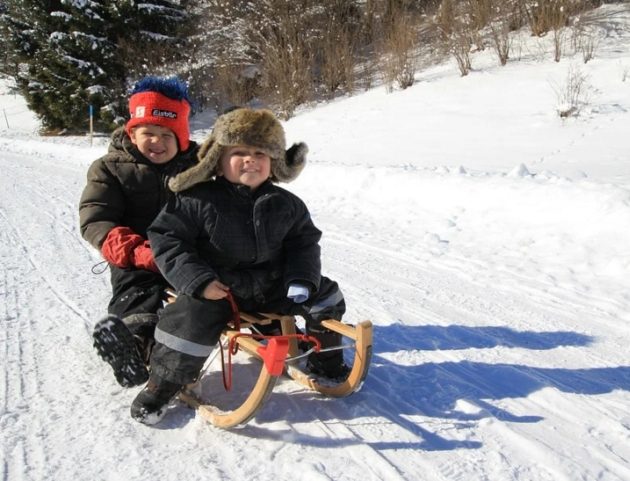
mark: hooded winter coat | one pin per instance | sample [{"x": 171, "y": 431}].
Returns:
[
  {"x": 124, "y": 188},
  {"x": 257, "y": 242}
]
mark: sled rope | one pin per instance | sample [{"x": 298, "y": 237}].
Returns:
[
  {"x": 99, "y": 267},
  {"x": 236, "y": 315}
]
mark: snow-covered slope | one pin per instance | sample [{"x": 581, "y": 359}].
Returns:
[{"x": 487, "y": 239}]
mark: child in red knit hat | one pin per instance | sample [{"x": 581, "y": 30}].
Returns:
[{"x": 126, "y": 189}]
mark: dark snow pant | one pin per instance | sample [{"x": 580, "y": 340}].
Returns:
[
  {"x": 137, "y": 297},
  {"x": 189, "y": 328}
]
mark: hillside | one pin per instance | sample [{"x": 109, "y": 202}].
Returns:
[{"x": 485, "y": 237}]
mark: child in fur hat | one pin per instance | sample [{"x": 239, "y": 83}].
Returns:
[
  {"x": 230, "y": 229},
  {"x": 125, "y": 190}
]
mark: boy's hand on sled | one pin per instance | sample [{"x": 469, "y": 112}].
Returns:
[
  {"x": 119, "y": 246},
  {"x": 215, "y": 290},
  {"x": 142, "y": 257}
]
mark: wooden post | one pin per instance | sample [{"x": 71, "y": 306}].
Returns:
[{"x": 91, "y": 123}]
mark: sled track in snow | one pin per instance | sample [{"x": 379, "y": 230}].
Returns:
[
  {"x": 442, "y": 295},
  {"x": 21, "y": 374},
  {"x": 46, "y": 345},
  {"x": 33, "y": 207},
  {"x": 374, "y": 463},
  {"x": 454, "y": 271},
  {"x": 442, "y": 290}
]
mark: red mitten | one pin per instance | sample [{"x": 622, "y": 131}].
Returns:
[
  {"x": 142, "y": 257},
  {"x": 119, "y": 245}
]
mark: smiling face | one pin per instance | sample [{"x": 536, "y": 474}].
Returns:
[
  {"x": 246, "y": 165},
  {"x": 156, "y": 143}
]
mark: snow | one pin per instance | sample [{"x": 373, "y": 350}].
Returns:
[{"x": 486, "y": 238}]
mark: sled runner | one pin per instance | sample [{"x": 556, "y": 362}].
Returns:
[{"x": 277, "y": 355}]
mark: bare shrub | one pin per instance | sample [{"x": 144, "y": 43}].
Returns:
[
  {"x": 235, "y": 84},
  {"x": 558, "y": 42},
  {"x": 588, "y": 45},
  {"x": 501, "y": 40},
  {"x": 513, "y": 11},
  {"x": 573, "y": 94},
  {"x": 469, "y": 16},
  {"x": 546, "y": 15},
  {"x": 584, "y": 41},
  {"x": 479, "y": 12},
  {"x": 399, "y": 52},
  {"x": 336, "y": 60},
  {"x": 459, "y": 46},
  {"x": 516, "y": 47},
  {"x": 278, "y": 40},
  {"x": 337, "y": 66},
  {"x": 367, "y": 71},
  {"x": 221, "y": 56},
  {"x": 453, "y": 23},
  {"x": 286, "y": 70},
  {"x": 372, "y": 18},
  {"x": 445, "y": 17}
]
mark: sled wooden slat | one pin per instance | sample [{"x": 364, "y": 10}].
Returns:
[
  {"x": 241, "y": 414},
  {"x": 263, "y": 318},
  {"x": 361, "y": 334},
  {"x": 343, "y": 329},
  {"x": 248, "y": 344},
  {"x": 288, "y": 329}
]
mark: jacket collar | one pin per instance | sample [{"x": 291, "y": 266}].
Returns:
[{"x": 244, "y": 191}]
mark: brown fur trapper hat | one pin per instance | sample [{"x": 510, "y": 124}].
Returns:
[{"x": 244, "y": 126}]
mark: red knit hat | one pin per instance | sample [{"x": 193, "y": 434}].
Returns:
[{"x": 154, "y": 108}]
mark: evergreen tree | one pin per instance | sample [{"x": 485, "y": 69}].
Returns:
[
  {"x": 80, "y": 53},
  {"x": 19, "y": 38},
  {"x": 76, "y": 67},
  {"x": 151, "y": 35},
  {"x": 7, "y": 57}
]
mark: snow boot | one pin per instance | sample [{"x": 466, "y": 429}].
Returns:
[
  {"x": 116, "y": 345},
  {"x": 329, "y": 364},
  {"x": 149, "y": 406}
]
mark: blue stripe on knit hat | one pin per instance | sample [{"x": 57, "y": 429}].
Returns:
[{"x": 171, "y": 87}]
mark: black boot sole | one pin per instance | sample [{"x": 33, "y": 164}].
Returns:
[{"x": 115, "y": 344}]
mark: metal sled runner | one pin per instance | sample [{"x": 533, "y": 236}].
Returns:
[{"x": 276, "y": 356}]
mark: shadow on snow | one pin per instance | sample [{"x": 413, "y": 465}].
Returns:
[
  {"x": 393, "y": 393},
  {"x": 398, "y": 337}
]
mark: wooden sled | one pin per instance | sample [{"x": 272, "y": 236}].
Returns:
[{"x": 278, "y": 357}]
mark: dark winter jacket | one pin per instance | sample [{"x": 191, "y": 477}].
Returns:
[
  {"x": 124, "y": 188},
  {"x": 254, "y": 242}
]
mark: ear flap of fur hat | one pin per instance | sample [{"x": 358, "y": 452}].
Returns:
[
  {"x": 244, "y": 126},
  {"x": 206, "y": 168},
  {"x": 290, "y": 167}
]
